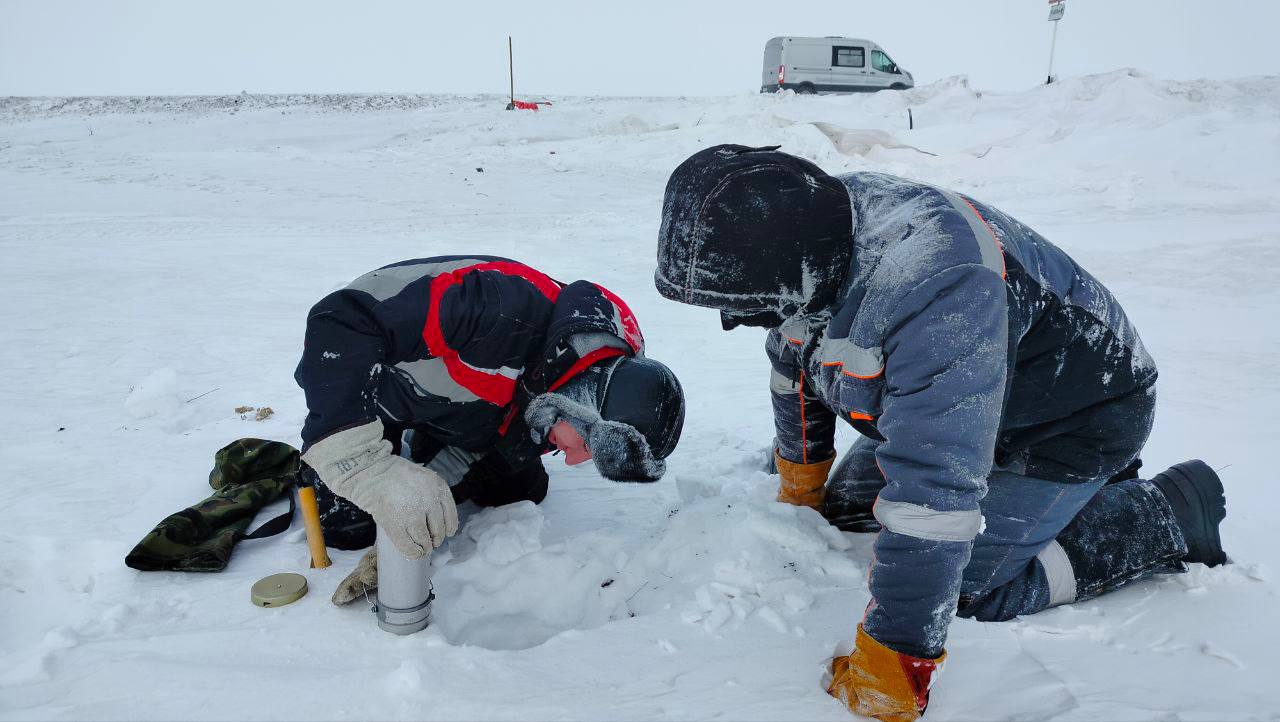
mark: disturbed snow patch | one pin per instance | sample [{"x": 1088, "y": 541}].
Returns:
[
  {"x": 498, "y": 587},
  {"x": 725, "y": 559},
  {"x": 726, "y": 555}
]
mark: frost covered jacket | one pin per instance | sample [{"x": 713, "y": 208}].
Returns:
[
  {"x": 454, "y": 346},
  {"x": 953, "y": 333}
]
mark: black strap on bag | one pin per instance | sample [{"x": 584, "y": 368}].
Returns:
[{"x": 279, "y": 524}]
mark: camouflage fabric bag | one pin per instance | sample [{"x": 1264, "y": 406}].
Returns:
[{"x": 247, "y": 475}]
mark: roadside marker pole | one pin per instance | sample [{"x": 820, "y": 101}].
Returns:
[
  {"x": 1052, "y": 45},
  {"x": 1056, "y": 10}
]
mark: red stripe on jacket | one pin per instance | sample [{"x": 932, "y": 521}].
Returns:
[
  {"x": 488, "y": 384},
  {"x": 630, "y": 325}
]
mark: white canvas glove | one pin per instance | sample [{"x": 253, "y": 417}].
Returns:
[{"x": 412, "y": 504}]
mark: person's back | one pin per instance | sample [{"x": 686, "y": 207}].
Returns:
[{"x": 1066, "y": 330}]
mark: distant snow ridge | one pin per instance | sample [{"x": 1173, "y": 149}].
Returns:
[{"x": 23, "y": 108}]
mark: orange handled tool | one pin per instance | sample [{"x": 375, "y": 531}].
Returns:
[{"x": 311, "y": 520}]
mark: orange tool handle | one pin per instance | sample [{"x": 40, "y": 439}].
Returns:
[{"x": 311, "y": 520}]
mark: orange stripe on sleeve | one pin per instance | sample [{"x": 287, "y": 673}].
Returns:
[{"x": 804, "y": 442}]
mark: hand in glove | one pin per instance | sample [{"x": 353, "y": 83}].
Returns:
[
  {"x": 875, "y": 681},
  {"x": 362, "y": 580},
  {"x": 803, "y": 484},
  {"x": 412, "y": 504}
]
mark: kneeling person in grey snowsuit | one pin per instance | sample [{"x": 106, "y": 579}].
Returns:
[
  {"x": 477, "y": 365},
  {"x": 1002, "y": 393}
]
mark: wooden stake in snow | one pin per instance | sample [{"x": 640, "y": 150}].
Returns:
[{"x": 511, "y": 74}]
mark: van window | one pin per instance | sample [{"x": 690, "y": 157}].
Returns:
[
  {"x": 881, "y": 62},
  {"x": 848, "y": 57}
]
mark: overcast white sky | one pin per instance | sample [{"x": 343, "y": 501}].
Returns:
[{"x": 646, "y": 47}]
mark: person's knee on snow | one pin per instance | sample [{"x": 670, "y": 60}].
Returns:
[
  {"x": 852, "y": 489},
  {"x": 1006, "y": 602},
  {"x": 1129, "y": 530}
]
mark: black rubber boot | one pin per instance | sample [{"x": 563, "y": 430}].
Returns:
[{"x": 1199, "y": 504}]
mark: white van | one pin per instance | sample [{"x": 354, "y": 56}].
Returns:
[{"x": 830, "y": 65}]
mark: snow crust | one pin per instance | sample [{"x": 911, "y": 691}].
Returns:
[{"x": 159, "y": 256}]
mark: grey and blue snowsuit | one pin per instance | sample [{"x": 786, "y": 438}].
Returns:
[{"x": 997, "y": 384}]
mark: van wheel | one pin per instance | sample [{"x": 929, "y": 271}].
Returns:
[
  {"x": 806, "y": 89},
  {"x": 897, "y": 86}
]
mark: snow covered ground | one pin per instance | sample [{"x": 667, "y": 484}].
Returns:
[{"x": 158, "y": 257}]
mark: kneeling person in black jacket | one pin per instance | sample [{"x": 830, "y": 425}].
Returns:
[{"x": 479, "y": 365}]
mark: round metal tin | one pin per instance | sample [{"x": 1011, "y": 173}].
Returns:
[{"x": 278, "y": 590}]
